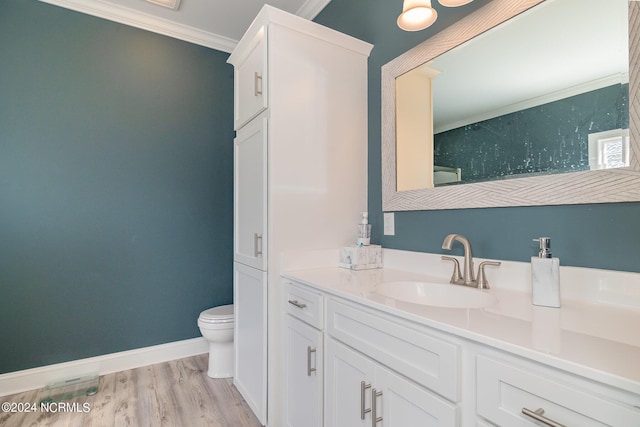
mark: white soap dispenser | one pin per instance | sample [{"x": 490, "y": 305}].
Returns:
[
  {"x": 545, "y": 276},
  {"x": 364, "y": 230}
]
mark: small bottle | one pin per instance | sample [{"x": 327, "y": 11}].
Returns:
[
  {"x": 545, "y": 276},
  {"x": 364, "y": 230}
]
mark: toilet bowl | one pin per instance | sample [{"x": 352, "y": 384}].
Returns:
[{"x": 216, "y": 326}]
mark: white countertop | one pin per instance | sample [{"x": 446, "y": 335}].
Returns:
[{"x": 595, "y": 340}]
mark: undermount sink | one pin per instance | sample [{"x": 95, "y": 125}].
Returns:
[{"x": 436, "y": 294}]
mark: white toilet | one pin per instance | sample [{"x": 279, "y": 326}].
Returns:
[{"x": 216, "y": 326}]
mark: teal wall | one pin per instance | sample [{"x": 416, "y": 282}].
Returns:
[
  {"x": 603, "y": 236},
  {"x": 116, "y": 183},
  {"x": 116, "y": 194}
]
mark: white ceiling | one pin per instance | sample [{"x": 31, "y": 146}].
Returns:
[{"x": 217, "y": 24}]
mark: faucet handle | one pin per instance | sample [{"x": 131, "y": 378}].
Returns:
[
  {"x": 456, "y": 277},
  {"x": 483, "y": 283}
]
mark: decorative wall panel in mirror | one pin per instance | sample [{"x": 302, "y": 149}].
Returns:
[{"x": 521, "y": 124}]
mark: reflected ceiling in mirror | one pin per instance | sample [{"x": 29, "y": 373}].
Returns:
[{"x": 566, "y": 103}]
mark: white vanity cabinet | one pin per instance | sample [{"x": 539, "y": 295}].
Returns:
[
  {"x": 391, "y": 375},
  {"x": 359, "y": 390},
  {"x": 429, "y": 359},
  {"x": 304, "y": 358},
  {"x": 300, "y": 176},
  {"x": 375, "y": 368},
  {"x": 385, "y": 367}
]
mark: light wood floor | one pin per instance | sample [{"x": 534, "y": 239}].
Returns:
[{"x": 176, "y": 393}]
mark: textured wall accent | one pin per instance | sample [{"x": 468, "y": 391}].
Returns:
[
  {"x": 576, "y": 188},
  {"x": 548, "y": 138}
]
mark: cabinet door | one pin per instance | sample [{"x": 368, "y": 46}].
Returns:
[
  {"x": 400, "y": 403},
  {"x": 250, "y": 80},
  {"x": 250, "y": 198},
  {"x": 303, "y": 402},
  {"x": 347, "y": 393},
  {"x": 250, "y": 337}
]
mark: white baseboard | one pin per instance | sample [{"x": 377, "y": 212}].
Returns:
[{"x": 30, "y": 379}]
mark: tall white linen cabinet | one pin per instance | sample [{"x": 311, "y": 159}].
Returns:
[{"x": 300, "y": 177}]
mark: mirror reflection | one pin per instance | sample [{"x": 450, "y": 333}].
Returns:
[{"x": 545, "y": 92}]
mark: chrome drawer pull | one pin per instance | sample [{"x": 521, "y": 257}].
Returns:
[
  {"x": 297, "y": 304},
  {"x": 375, "y": 419},
  {"x": 363, "y": 387},
  {"x": 257, "y": 77},
  {"x": 309, "y": 368},
  {"x": 538, "y": 416}
]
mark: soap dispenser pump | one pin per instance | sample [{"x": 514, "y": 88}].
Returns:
[
  {"x": 545, "y": 276},
  {"x": 364, "y": 230}
]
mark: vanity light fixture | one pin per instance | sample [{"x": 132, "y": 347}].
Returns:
[
  {"x": 418, "y": 14},
  {"x": 171, "y": 4}
]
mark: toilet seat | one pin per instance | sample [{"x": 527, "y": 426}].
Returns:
[{"x": 217, "y": 315}]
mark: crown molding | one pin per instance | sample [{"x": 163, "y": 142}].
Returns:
[
  {"x": 311, "y": 8},
  {"x": 124, "y": 15}
]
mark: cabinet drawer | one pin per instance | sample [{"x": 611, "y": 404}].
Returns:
[
  {"x": 504, "y": 389},
  {"x": 417, "y": 354},
  {"x": 304, "y": 304}
]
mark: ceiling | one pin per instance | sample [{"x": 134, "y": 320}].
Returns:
[{"x": 217, "y": 24}]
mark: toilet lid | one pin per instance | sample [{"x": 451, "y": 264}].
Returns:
[{"x": 221, "y": 314}]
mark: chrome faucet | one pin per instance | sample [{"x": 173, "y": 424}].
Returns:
[{"x": 467, "y": 278}]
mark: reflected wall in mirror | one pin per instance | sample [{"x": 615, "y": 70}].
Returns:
[
  {"x": 513, "y": 102},
  {"x": 517, "y": 101}
]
